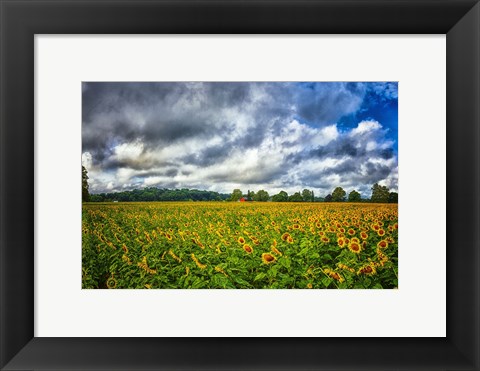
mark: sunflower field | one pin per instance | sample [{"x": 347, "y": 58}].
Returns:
[{"x": 228, "y": 245}]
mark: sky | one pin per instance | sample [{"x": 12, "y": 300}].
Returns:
[{"x": 219, "y": 136}]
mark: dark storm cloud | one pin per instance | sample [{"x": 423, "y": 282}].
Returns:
[
  {"x": 254, "y": 177},
  {"x": 323, "y": 107},
  {"x": 168, "y": 112},
  {"x": 159, "y": 131},
  {"x": 209, "y": 156},
  {"x": 228, "y": 94}
]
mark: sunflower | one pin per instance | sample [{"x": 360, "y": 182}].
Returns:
[
  {"x": 389, "y": 239},
  {"x": 355, "y": 239},
  {"x": 143, "y": 264},
  {"x": 345, "y": 267},
  {"x": 285, "y": 236},
  {"x": 369, "y": 270},
  {"x": 381, "y": 232},
  {"x": 111, "y": 282},
  {"x": 364, "y": 235},
  {"x": 220, "y": 270},
  {"x": 341, "y": 242},
  {"x": 172, "y": 254},
  {"x": 276, "y": 251},
  {"x": 268, "y": 258},
  {"x": 296, "y": 226},
  {"x": 241, "y": 240},
  {"x": 351, "y": 232},
  {"x": 325, "y": 239},
  {"x": 333, "y": 275},
  {"x": 383, "y": 244},
  {"x": 197, "y": 262},
  {"x": 290, "y": 239},
  {"x": 248, "y": 248},
  {"x": 126, "y": 259},
  {"x": 309, "y": 285},
  {"x": 354, "y": 247}
]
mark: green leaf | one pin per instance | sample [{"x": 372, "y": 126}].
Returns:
[
  {"x": 327, "y": 257},
  {"x": 260, "y": 276}
]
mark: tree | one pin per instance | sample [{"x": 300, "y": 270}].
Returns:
[
  {"x": 354, "y": 196},
  {"x": 261, "y": 195},
  {"x": 307, "y": 195},
  {"x": 338, "y": 195},
  {"x": 250, "y": 195},
  {"x": 296, "y": 197},
  {"x": 282, "y": 196},
  {"x": 393, "y": 198},
  {"x": 236, "y": 195},
  {"x": 328, "y": 198},
  {"x": 379, "y": 193},
  {"x": 85, "y": 194}
]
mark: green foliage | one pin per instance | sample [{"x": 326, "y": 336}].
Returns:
[
  {"x": 282, "y": 196},
  {"x": 261, "y": 195},
  {"x": 393, "y": 198},
  {"x": 380, "y": 194},
  {"x": 296, "y": 197},
  {"x": 159, "y": 194},
  {"x": 202, "y": 245},
  {"x": 338, "y": 195},
  {"x": 307, "y": 195},
  {"x": 354, "y": 196},
  {"x": 236, "y": 195},
  {"x": 85, "y": 193}
]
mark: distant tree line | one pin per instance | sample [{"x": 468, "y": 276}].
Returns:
[
  {"x": 380, "y": 194},
  {"x": 159, "y": 194}
]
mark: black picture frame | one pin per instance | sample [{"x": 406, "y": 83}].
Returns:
[{"x": 22, "y": 19}]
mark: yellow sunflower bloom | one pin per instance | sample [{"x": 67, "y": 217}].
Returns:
[
  {"x": 111, "y": 282},
  {"x": 276, "y": 251},
  {"x": 369, "y": 270},
  {"x": 354, "y": 247},
  {"x": 268, "y": 258},
  {"x": 383, "y": 244}
]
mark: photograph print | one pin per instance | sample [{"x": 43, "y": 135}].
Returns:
[{"x": 239, "y": 185}]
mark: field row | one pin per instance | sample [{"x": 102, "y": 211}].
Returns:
[{"x": 239, "y": 245}]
